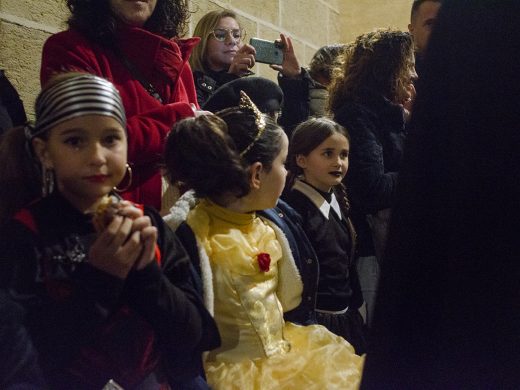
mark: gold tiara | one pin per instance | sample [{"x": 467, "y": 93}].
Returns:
[{"x": 247, "y": 103}]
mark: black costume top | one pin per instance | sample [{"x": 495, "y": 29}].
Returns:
[
  {"x": 326, "y": 227},
  {"x": 89, "y": 326}
]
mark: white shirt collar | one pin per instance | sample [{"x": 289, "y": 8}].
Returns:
[{"x": 319, "y": 201}]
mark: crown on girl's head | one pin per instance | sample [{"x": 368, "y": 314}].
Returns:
[{"x": 247, "y": 104}]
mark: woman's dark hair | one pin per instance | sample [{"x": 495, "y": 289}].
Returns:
[
  {"x": 204, "y": 153},
  {"x": 96, "y": 20},
  {"x": 379, "y": 62}
]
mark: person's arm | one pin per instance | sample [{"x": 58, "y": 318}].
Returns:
[
  {"x": 166, "y": 296},
  {"x": 295, "y": 83}
]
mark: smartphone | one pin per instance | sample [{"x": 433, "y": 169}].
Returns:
[{"x": 267, "y": 52}]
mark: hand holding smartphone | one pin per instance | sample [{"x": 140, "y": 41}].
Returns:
[{"x": 267, "y": 52}]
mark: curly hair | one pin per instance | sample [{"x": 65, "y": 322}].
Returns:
[
  {"x": 203, "y": 153},
  {"x": 324, "y": 61},
  {"x": 96, "y": 20},
  {"x": 203, "y": 30},
  {"x": 378, "y": 62}
]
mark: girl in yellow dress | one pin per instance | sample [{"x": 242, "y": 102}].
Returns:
[{"x": 234, "y": 161}]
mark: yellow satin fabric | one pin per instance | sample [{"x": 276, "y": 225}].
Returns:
[{"x": 259, "y": 350}]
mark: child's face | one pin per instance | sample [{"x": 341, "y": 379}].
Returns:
[
  {"x": 327, "y": 164},
  {"x": 272, "y": 183},
  {"x": 88, "y": 156}
]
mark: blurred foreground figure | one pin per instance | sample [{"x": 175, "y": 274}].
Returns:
[{"x": 449, "y": 298}]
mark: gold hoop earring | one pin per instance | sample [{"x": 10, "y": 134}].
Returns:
[{"x": 129, "y": 170}]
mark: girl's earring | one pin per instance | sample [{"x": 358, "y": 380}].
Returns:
[
  {"x": 129, "y": 170},
  {"x": 47, "y": 182}
]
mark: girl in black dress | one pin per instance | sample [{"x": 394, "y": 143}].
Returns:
[{"x": 318, "y": 162}]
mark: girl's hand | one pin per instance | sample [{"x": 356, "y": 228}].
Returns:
[
  {"x": 148, "y": 235},
  {"x": 290, "y": 66},
  {"x": 129, "y": 210},
  {"x": 243, "y": 60},
  {"x": 117, "y": 248}
]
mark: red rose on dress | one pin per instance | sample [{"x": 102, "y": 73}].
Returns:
[{"x": 264, "y": 261}]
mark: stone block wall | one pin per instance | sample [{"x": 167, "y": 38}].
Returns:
[{"x": 25, "y": 24}]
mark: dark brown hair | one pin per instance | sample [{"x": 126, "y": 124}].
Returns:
[
  {"x": 378, "y": 62},
  {"x": 308, "y": 136},
  {"x": 204, "y": 153},
  {"x": 96, "y": 20}
]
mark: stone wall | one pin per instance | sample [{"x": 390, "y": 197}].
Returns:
[{"x": 25, "y": 24}]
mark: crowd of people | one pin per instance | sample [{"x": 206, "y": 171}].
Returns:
[{"x": 169, "y": 220}]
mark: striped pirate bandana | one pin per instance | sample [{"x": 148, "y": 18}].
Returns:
[{"x": 74, "y": 96}]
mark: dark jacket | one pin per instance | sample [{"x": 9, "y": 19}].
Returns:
[
  {"x": 12, "y": 112},
  {"x": 338, "y": 283},
  {"x": 89, "y": 326},
  {"x": 207, "y": 83},
  {"x": 377, "y": 131},
  {"x": 19, "y": 368},
  {"x": 289, "y": 221}
]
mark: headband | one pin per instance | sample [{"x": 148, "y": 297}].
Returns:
[
  {"x": 82, "y": 94},
  {"x": 247, "y": 103}
]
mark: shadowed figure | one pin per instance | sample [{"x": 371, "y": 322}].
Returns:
[{"x": 449, "y": 301}]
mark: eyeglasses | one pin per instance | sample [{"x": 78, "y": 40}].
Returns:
[{"x": 221, "y": 34}]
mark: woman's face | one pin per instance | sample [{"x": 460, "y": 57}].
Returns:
[
  {"x": 133, "y": 12},
  {"x": 407, "y": 80},
  {"x": 220, "y": 54}
]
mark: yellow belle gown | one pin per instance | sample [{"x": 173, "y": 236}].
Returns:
[{"x": 259, "y": 349}]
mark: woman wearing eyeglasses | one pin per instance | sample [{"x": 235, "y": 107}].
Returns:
[
  {"x": 223, "y": 56},
  {"x": 135, "y": 45}
]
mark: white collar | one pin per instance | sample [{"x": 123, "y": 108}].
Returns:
[{"x": 319, "y": 201}]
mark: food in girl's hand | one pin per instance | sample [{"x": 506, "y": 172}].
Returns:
[{"x": 105, "y": 212}]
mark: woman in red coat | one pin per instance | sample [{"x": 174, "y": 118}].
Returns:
[{"x": 134, "y": 45}]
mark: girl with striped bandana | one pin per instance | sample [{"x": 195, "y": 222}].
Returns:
[{"x": 112, "y": 303}]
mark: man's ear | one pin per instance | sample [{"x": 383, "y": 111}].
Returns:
[
  {"x": 42, "y": 152},
  {"x": 301, "y": 161},
  {"x": 255, "y": 177},
  {"x": 410, "y": 28}
]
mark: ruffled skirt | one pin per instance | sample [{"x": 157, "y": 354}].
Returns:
[{"x": 318, "y": 360}]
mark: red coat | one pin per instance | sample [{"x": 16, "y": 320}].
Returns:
[{"x": 162, "y": 62}]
